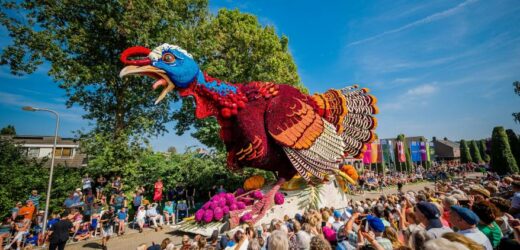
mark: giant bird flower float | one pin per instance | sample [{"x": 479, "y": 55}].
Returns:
[{"x": 264, "y": 125}]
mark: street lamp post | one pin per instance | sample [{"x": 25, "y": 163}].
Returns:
[{"x": 49, "y": 186}]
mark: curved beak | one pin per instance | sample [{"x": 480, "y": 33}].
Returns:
[{"x": 148, "y": 70}]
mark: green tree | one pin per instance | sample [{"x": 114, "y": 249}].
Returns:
[
  {"x": 20, "y": 175},
  {"x": 514, "y": 144},
  {"x": 502, "y": 160},
  {"x": 82, "y": 41},
  {"x": 516, "y": 85},
  {"x": 8, "y": 130},
  {"x": 475, "y": 152},
  {"x": 465, "y": 155},
  {"x": 234, "y": 47},
  {"x": 483, "y": 150}
]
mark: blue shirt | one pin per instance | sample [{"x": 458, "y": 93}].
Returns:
[
  {"x": 68, "y": 202},
  {"x": 121, "y": 215},
  {"x": 169, "y": 208}
]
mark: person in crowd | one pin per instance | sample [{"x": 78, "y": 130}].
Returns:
[
  {"x": 28, "y": 210},
  {"x": 185, "y": 243},
  {"x": 515, "y": 202},
  {"x": 117, "y": 185},
  {"x": 190, "y": 196},
  {"x": 469, "y": 243},
  {"x": 466, "y": 221},
  {"x": 278, "y": 240},
  {"x": 155, "y": 218},
  {"x": 16, "y": 210},
  {"x": 107, "y": 226},
  {"x": 118, "y": 200},
  {"x": 86, "y": 184},
  {"x": 121, "y": 219},
  {"x": 140, "y": 217},
  {"x": 158, "y": 191},
  {"x": 429, "y": 215},
  {"x": 503, "y": 217},
  {"x": 101, "y": 181},
  {"x": 59, "y": 232},
  {"x": 35, "y": 198},
  {"x": 21, "y": 227},
  {"x": 169, "y": 213},
  {"x": 319, "y": 243},
  {"x": 367, "y": 223},
  {"x": 486, "y": 212},
  {"x": 167, "y": 244}
]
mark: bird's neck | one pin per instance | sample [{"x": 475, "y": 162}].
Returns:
[{"x": 214, "y": 97}]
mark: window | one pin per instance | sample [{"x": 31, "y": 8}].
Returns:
[
  {"x": 33, "y": 152},
  {"x": 63, "y": 152}
]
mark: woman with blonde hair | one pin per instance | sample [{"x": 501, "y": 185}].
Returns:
[
  {"x": 319, "y": 243},
  {"x": 278, "y": 241},
  {"x": 469, "y": 243},
  {"x": 391, "y": 234}
]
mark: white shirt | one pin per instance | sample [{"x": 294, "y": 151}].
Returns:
[
  {"x": 141, "y": 214},
  {"x": 477, "y": 236},
  {"x": 438, "y": 232}
]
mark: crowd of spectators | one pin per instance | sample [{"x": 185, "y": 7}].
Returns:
[
  {"x": 480, "y": 213},
  {"x": 97, "y": 208}
]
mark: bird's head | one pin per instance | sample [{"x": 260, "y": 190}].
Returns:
[{"x": 170, "y": 65}]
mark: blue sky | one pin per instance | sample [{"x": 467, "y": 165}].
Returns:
[{"x": 438, "y": 68}]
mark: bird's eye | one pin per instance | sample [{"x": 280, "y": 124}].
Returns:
[{"x": 168, "y": 58}]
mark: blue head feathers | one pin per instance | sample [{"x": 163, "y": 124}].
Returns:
[{"x": 176, "y": 62}]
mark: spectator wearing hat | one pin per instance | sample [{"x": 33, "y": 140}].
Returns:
[
  {"x": 429, "y": 215},
  {"x": 337, "y": 221},
  {"x": 374, "y": 224},
  {"x": 487, "y": 215},
  {"x": 515, "y": 202},
  {"x": 466, "y": 221}
]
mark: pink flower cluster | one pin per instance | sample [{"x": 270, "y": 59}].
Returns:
[{"x": 221, "y": 204}]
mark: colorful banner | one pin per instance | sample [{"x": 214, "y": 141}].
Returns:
[
  {"x": 424, "y": 155},
  {"x": 415, "y": 151},
  {"x": 367, "y": 155},
  {"x": 431, "y": 151},
  {"x": 388, "y": 155},
  {"x": 374, "y": 153},
  {"x": 400, "y": 152}
]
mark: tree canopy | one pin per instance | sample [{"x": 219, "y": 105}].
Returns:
[
  {"x": 502, "y": 160},
  {"x": 82, "y": 41},
  {"x": 514, "y": 144},
  {"x": 516, "y": 86},
  {"x": 8, "y": 130},
  {"x": 465, "y": 155},
  {"x": 475, "y": 152}
]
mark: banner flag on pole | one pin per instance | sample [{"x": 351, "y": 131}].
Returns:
[
  {"x": 415, "y": 151},
  {"x": 388, "y": 155},
  {"x": 367, "y": 155},
  {"x": 391, "y": 151},
  {"x": 374, "y": 152},
  {"x": 400, "y": 152},
  {"x": 430, "y": 149},
  {"x": 424, "y": 155}
]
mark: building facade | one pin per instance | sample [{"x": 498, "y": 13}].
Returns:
[{"x": 67, "y": 152}]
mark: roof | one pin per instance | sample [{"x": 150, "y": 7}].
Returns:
[
  {"x": 42, "y": 139},
  {"x": 449, "y": 143}
]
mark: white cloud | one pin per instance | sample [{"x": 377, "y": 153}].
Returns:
[
  {"x": 15, "y": 101},
  {"x": 426, "y": 20},
  {"x": 422, "y": 90}
]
